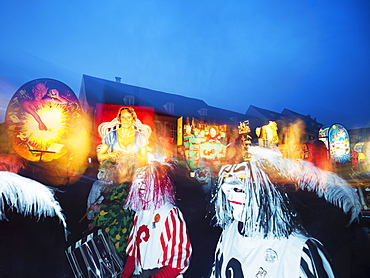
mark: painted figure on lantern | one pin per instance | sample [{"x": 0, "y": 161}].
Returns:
[
  {"x": 40, "y": 119},
  {"x": 202, "y": 143},
  {"x": 129, "y": 140},
  {"x": 196, "y": 132},
  {"x": 42, "y": 96},
  {"x": 213, "y": 135},
  {"x": 337, "y": 141}
]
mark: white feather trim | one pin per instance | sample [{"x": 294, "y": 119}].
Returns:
[
  {"x": 325, "y": 184},
  {"x": 28, "y": 197}
]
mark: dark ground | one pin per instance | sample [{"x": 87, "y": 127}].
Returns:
[
  {"x": 31, "y": 248},
  {"x": 36, "y": 248}
]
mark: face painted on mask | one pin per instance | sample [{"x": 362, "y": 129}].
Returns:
[
  {"x": 235, "y": 196},
  {"x": 140, "y": 186},
  {"x": 142, "y": 189}
]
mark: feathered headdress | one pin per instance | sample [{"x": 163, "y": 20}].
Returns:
[
  {"x": 333, "y": 188},
  {"x": 28, "y": 197},
  {"x": 151, "y": 188},
  {"x": 267, "y": 211}
]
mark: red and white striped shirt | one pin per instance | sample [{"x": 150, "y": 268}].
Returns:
[{"x": 160, "y": 238}]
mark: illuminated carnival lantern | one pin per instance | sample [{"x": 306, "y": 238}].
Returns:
[
  {"x": 363, "y": 150},
  {"x": 204, "y": 147},
  {"x": 268, "y": 135},
  {"x": 336, "y": 139},
  {"x": 44, "y": 124},
  {"x": 244, "y": 131}
]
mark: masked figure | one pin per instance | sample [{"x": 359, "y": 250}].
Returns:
[
  {"x": 159, "y": 245},
  {"x": 262, "y": 236}
]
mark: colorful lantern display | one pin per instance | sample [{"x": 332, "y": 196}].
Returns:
[
  {"x": 204, "y": 144},
  {"x": 45, "y": 125},
  {"x": 336, "y": 139}
]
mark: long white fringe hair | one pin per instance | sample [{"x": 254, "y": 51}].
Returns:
[
  {"x": 158, "y": 184},
  {"x": 268, "y": 211}
]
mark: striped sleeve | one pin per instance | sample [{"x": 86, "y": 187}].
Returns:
[
  {"x": 314, "y": 261},
  {"x": 131, "y": 246},
  {"x": 175, "y": 242}
]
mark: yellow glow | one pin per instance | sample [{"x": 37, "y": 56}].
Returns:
[
  {"x": 54, "y": 117},
  {"x": 69, "y": 168},
  {"x": 292, "y": 137}
]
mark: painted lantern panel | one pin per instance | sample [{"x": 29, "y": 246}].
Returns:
[
  {"x": 41, "y": 118},
  {"x": 339, "y": 144}
]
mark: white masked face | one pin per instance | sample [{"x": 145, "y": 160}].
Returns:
[
  {"x": 139, "y": 186},
  {"x": 235, "y": 196}
]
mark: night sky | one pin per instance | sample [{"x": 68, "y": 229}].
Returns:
[{"x": 312, "y": 57}]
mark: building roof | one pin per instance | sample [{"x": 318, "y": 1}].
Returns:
[
  {"x": 309, "y": 122},
  {"x": 264, "y": 114},
  {"x": 286, "y": 117},
  {"x": 96, "y": 90}
]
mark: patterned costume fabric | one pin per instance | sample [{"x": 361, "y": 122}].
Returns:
[
  {"x": 111, "y": 140},
  {"x": 296, "y": 256},
  {"x": 115, "y": 220},
  {"x": 158, "y": 239}
]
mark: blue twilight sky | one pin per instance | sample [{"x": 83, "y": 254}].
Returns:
[{"x": 312, "y": 57}]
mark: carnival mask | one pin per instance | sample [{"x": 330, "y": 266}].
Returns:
[
  {"x": 233, "y": 186},
  {"x": 140, "y": 185},
  {"x": 235, "y": 196}
]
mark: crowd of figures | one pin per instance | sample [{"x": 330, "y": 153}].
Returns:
[{"x": 266, "y": 217}]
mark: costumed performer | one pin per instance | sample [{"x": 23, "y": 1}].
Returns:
[
  {"x": 122, "y": 151},
  {"x": 159, "y": 245},
  {"x": 262, "y": 236}
]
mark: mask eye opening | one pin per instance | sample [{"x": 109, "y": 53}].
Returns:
[{"x": 238, "y": 190}]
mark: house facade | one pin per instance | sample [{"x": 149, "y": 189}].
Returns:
[{"x": 168, "y": 108}]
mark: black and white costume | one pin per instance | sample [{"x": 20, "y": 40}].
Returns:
[{"x": 262, "y": 236}]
